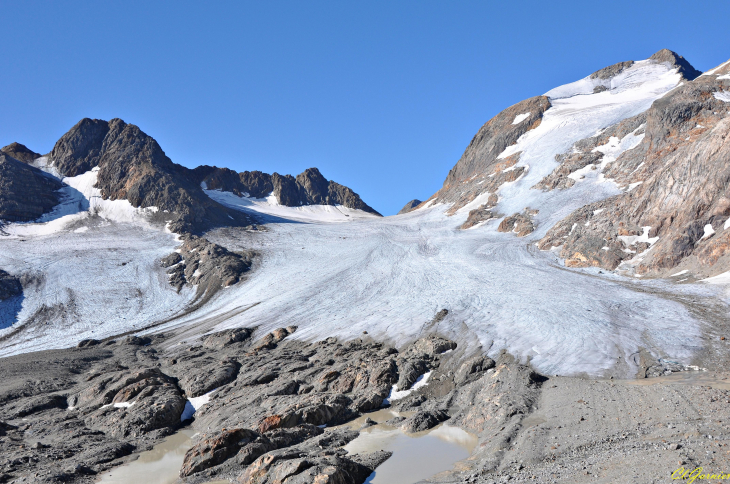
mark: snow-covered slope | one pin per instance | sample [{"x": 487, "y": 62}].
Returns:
[
  {"x": 306, "y": 213},
  {"x": 390, "y": 276}
]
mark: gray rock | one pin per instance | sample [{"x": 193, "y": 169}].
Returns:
[
  {"x": 423, "y": 420},
  {"x": 26, "y": 192},
  {"x": 20, "y": 152},
  {"x": 410, "y": 206},
  {"x": 472, "y": 368}
]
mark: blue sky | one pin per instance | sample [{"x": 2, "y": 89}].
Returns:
[{"x": 381, "y": 96}]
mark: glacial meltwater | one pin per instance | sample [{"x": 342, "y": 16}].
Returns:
[{"x": 415, "y": 456}]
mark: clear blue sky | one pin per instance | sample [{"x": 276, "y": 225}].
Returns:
[{"x": 381, "y": 96}]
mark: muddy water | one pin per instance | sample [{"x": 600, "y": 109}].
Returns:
[
  {"x": 157, "y": 466},
  {"x": 415, "y": 456},
  {"x": 704, "y": 378}
]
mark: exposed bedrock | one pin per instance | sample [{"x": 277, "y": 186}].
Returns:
[
  {"x": 208, "y": 266},
  {"x": 10, "y": 286},
  {"x": 410, "y": 206},
  {"x": 133, "y": 167},
  {"x": 307, "y": 188},
  {"x": 20, "y": 152},
  {"x": 519, "y": 223},
  {"x": 676, "y": 199},
  {"x": 69, "y": 415},
  {"x": 26, "y": 192}
]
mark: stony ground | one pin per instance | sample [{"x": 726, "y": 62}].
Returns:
[{"x": 68, "y": 415}]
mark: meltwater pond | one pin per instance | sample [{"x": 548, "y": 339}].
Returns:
[
  {"x": 160, "y": 465},
  {"x": 415, "y": 456}
]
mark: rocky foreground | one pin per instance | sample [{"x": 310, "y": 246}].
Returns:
[{"x": 68, "y": 415}]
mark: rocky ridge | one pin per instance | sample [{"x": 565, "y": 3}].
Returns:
[
  {"x": 675, "y": 201},
  {"x": 308, "y": 188}
]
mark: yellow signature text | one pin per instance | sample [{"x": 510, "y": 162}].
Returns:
[{"x": 697, "y": 474}]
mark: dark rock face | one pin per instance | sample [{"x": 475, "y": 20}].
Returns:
[
  {"x": 133, "y": 404},
  {"x": 20, "y": 152},
  {"x": 680, "y": 173},
  {"x": 410, "y": 206},
  {"x": 26, "y": 192},
  {"x": 610, "y": 71},
  {"x": 685, "y": 68},
  {"x": 308, "y": 188},
  {"x": 133, "y": 167},
  {"x": 206, "y": 265},
  {"x": 9, "y": 286}
]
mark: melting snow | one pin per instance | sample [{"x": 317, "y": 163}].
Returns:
[
  {"x": 630, "y": 240},
  {"x": 194, "y": 404},
  {"x": 722, "y": 96},
  {"x": 680, "y": 273},
  {"x": 421, "y": 381},
  {"x": 709, "y": 231},
  {"x": 520, "y": 117},
  {"x": 307, "y": 213}
]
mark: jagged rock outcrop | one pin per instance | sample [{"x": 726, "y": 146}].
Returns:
[
  {"x": 676, "y": 198},
  {"x": 308, "y": 188},
  {"x": 20, "y": 152},
  {"x": 206, "y": 265},
  {"x": 133, "y": 167},
  {"x": 26, "y": 192},
  {"x": 410, "y": 206},
  {"x": 519, "y": 223}
]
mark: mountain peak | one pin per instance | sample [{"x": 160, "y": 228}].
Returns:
[
  {"x": 685, "y": 68},
  {"x": 20, "y": 152}
]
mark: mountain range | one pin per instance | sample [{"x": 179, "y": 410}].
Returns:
[{"x": 584, "y": 233}]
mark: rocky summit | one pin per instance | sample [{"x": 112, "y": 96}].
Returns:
[{"x": 556, "y": 312}]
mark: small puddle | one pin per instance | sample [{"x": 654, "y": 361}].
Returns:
[
  {"x": 415, "y": 456},
  {"x": 160, "y": 465},
  {"x": 703, "y": 378}
]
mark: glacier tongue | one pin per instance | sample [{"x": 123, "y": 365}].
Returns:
[{"x": 390, "y": 276}]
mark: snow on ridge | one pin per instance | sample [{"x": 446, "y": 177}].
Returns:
[
  {"x": 723, "y": 96},
  {"x": 304, "y": 213},
  {"x": 520, "y": 117},
  {"x": 79, "y": 200}
]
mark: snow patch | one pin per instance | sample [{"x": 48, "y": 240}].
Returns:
[
  {"x": 630, "y": 240},
  {"x": 397, "y": 395},
  {"x": 709, "y": 231},
  {"x": 722, "y": 96},
  {"x": 305, "y": 213},
  {"x": 520, "y": 117},
  {"x": 680, "y": 273},
  {"x": 194, "y": 404}
]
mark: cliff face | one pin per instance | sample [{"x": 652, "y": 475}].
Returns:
[
  {"x": 676, "y": 181},
  {"x": 26, "y": 192}
]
